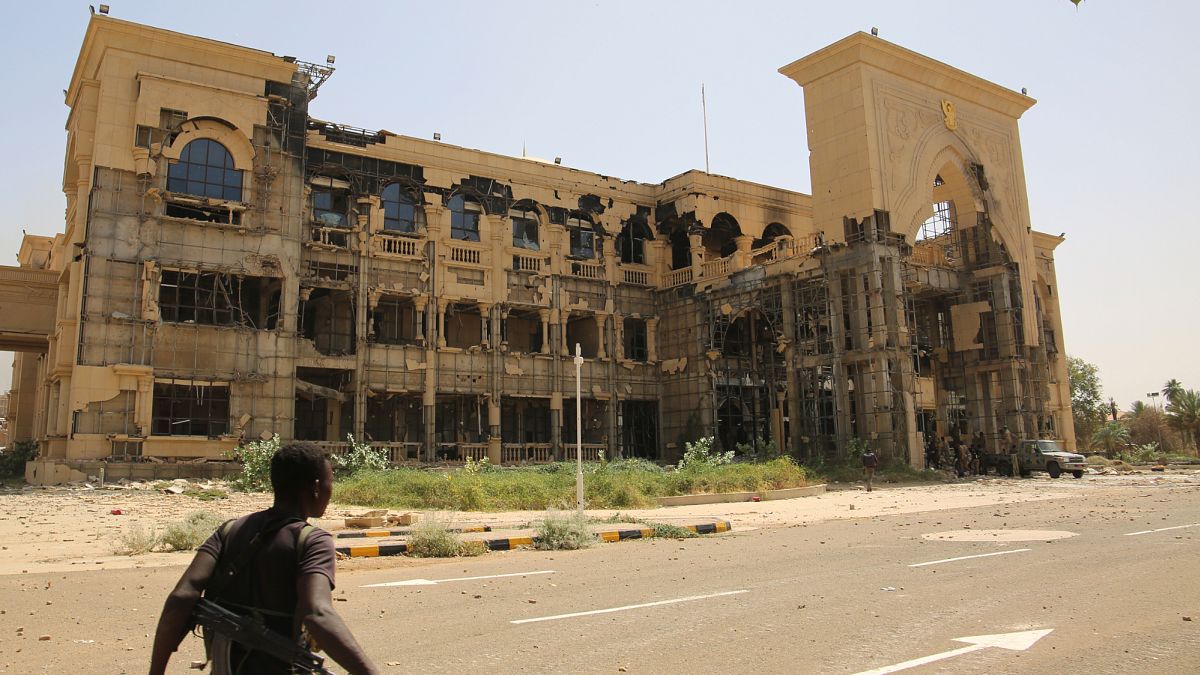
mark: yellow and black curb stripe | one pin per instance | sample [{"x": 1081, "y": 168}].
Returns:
[
  {"x": 511, "y": 543},
  {"x": 403, "y": 531}
]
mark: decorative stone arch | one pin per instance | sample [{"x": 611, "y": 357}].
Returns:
[
  {"x": 720, "y": 329},
  {"x": 216, "y": 129},
  {"x": 720, "y": 237},
  {"x": 952, "y": 162},
  {"x": 773, "y": 231}
]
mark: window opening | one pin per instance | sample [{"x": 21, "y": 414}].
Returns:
[
  {"x": 399, "y": 211},
  {"x": 631, "y": 243},
  {"x": 331, "y": 208},
  {"x": 464, "y": 218},
  {"x": 635, "y": 339},
  {"x": 218, "y": 299},
  {"x": 190, "y": 410},
  {"x": 397, "y": 322},
  {"x": 524, "y": 230},
  {"x": 205, "y": 169},
  {"x": 583, "y": 239}
]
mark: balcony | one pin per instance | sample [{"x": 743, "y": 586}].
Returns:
[
  {"x": 334, "y": 238},
  {"x": 465, "y": 254},
  {"x": 530, "y": 262},
  {"x": 397, "y": 247},
  {"x": 587, "y": 270},
  {"x": 635, "y": 276}
]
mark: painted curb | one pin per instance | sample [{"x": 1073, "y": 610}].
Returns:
[
  {"x": 512, "y": 543},
  {"x": 731, "y": 497},
  {"x": 403, "y": 531}
]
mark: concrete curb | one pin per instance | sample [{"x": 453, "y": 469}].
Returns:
[
  {"x": 351, "y": 534},
  {"x": 512, "y": 543},
  {"x": 729, "y": 497}
]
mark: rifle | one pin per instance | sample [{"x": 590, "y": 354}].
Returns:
[{"x": 253, "y": 635}]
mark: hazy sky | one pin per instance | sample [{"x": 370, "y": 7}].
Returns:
[{"x": 1110, "y": 149}]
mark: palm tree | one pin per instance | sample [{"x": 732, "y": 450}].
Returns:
[
  {"x": 1171, "y": 389},
  {"x": 1183, "y": 413},
  {"x": 1136, "y": 410},
  {"x": 1110, "y": 436}
]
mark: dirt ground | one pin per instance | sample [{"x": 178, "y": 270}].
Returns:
[{"x": 64, "y": 529}]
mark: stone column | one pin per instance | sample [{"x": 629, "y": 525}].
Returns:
[
  {"x": 564, "y": 317},
  {"x": 741, "y": 259},
  {"x": 544, "y": 315},
  {"x": 441, "y": 322},
  {"x": 485, "y": 311},
  {"x": 619, "y": 337},
  {"x": 601, "y": 329},
  {"x": 494, "y": 439},
  {"x": 696, "y": 240},
  {"x": 652, "y": 339},
  {"x": 420, "y": 304}
]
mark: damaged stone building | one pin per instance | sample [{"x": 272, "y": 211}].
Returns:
[{"x": 232, "y": 267}]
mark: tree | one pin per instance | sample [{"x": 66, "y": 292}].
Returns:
[
  {"x": 1110, "y": 437},
  {"x": 1172, "y": 389},
  {"x": 1136, "y": 410},
  {"x": 1150, "y": 426},
  {"x": 1087, "y": 403},
  {"x": 1183, "y": 413}
]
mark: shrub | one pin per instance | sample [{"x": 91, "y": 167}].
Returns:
[
  {"x": 701, "y": 453},
  {"x": 564, "y": 532},
  {"x": 135, "y": 540},
  {"x": 763, "y": 451},
  {"x": 669, "y": 531},
  {"x": 360, "y": 457},
  {"x": 857, "y": 447},
  {"x": 189, "y": 533},
  {"x": 255, "y": 457},
  {"x": 12, "y": 459},
  {"x": 431, "y": 538}
]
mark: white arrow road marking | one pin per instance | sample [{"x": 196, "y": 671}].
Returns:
[
  {"x": 968, "y": 557},
  {"x": 1162, "y": 529},
  {"x": 1015, "y": 641},
  {"x": 428, "y": 582},
  {"x": 672, "y": 601}
]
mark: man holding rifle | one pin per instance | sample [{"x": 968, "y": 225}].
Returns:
[{"x": 267, "y": 580}]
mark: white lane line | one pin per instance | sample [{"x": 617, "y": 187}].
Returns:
[
  {"x": 430, "y": 582},
  {"x": 672, "y": 601},
  {"x": 968, "y": 557},
  {"x": 1162, "y": 529}
]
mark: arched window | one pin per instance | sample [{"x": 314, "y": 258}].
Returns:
[
  {"x": 524, "y": 229},
  {"x": 205, "y": 169},
  {"x": 631, "y": 243},
  {"x": 464, "y": 218},
  {"x": 771, "y": 233},
  {"x": 399, "y": 211},
  {"x": 720, "y": 238}
]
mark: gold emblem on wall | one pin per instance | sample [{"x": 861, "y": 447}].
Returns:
[{"x": 949, "y": 114}]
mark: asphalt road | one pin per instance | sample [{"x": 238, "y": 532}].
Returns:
[{"x": 838, "y": 596}]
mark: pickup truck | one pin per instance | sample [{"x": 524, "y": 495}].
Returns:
[{"x": 1039, "y": 455}]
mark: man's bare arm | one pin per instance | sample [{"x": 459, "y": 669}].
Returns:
[
  {"x": 177, "y": 611},
  {"x": 315, "y": 608}
]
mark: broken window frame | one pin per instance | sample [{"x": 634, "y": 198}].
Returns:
[
  {"x": 399, "y": 210},
  {"x": 402, "y": 329},
  {"x": 583, "y": 238},
  {"x": 631, "y": 243},
  {"x": 522, "y": 223},
  {"x": 330, "y": 207},
  {"x": 940, "y": 224},
  {"x": 215, "y": 299},
  {"x": 191, "y": 409},
  {"x": 464, "y": 218}
]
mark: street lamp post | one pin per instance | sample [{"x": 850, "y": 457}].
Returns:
[
  {"x": 578, "y": 432},
  {"x": 1153, "y": 395}
]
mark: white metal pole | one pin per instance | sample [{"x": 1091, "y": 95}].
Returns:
[{"x": 578, "y": 432}]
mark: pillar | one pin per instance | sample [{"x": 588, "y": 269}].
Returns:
[
  {"x": 601, "y": 329},
  {"x": 494, "y": 439},
  {"x": 544, "y": 315},
  {"x": 652, "y": 339},
  {"x": 485, "y": 313},
  {"x": 441, "y": 323},
  {"x": 696, "y": 242},
  {"x": 741, "y": 258}
]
